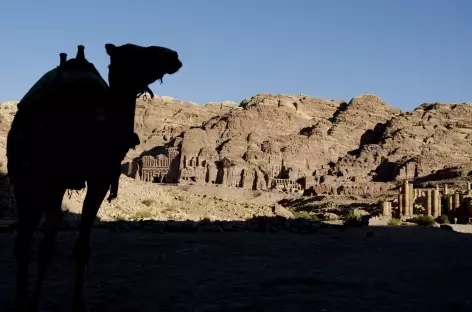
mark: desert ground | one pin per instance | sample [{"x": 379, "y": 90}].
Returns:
[{"x": 355, "y": 269}]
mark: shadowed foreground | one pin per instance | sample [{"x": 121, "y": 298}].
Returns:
[{"x": 393, "y": 269}]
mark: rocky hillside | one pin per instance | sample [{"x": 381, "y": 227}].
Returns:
[
  {"x": 162, "y": 118},
  {"x": 7, "y": 112},
  {"x": 336, "y": 143},
  {"x": 286, "y": 136},
  {"x": 432, "y": 137}
]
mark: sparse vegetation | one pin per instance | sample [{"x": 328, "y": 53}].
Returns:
[
  {"x": 328, "y": 216},
  {"x": 395, "y": 222},
  {"x": 423, "y": 220},
  {"x": 443, "y": 219},
  {"x": 305, "y": 215},
  {"x": 352, "y": 219},
  {"x": 142, "y": 214},
  {"x": 148, "y": 202}
]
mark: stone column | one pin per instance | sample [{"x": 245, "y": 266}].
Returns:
[
  {"x": 385, "y": 206},
  {"x": 400, "y": 205},
  {"x": 225, "y": 180},
  {"x": 450, "y": 206},
  {"x": 435, "y": 200},
  {"x": 445, "y": 189},
  {"x": 462, "y": 207},
  {"x": 453, "y": 205},
  {"x": 428, "y": 207},
  {"x": 406, "y": 198},
  {"x": 412, "y": 199},
  {"x": 469, "y": 186},
  {"x": 438, "y": 199},
  {"x": 457, "y": 205}
]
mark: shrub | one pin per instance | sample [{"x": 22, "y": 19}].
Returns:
[
  {"x": 305, "y": 215},
  {"x": 352, "y": 219},
  {"x": 395, "y": 222},
  {"x": 423, "y": 220},
  {"x": 328, "y": 216},
  {"x": 443, "y": 219},
  {"x": 148, "y": 202}
]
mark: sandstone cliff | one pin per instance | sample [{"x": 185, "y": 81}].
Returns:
[
  {"x": 430, "y": 138},
  {"x": 332, "y": 144},
  {"x": 160, "y": 119},
  {"x": 7, "y": 112},
  {"x": 289, "y": 137}
]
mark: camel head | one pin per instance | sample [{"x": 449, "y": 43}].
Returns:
[{"x": 132, "y": 67}]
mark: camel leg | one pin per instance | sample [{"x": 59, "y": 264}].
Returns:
[
  {"x": 96, "y": 193},
  {"x": 51, "y": 205},
  {"x": 28, "y": 215}
]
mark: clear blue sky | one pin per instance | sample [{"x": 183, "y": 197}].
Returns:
[{"x": 406, "y": 51}]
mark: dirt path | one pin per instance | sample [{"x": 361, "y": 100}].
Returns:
[{"x": 398, "y": 269}]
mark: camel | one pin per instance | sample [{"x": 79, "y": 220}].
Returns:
[{"x": 71, "y": 131}]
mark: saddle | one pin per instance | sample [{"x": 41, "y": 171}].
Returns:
[{"x": 62, "y": 125}]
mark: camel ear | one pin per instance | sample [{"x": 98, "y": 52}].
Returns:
[{"x": 110, "y": 48}]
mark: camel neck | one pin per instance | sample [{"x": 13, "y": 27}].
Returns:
[{"x": 126, "y": 101}]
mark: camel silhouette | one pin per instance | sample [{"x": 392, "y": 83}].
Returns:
[{"x": 71, "y": 131}]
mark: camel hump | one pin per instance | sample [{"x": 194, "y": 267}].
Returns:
[
  {"x": 60, "y": 115},
  {"x": 73, "y": 78}
]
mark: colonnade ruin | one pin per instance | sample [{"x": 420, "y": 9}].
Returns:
[{"x": 456, "y": 204}]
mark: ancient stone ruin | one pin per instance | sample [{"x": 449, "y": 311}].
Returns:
[
  {"x": 434, "y": 202},
  {"x": 169, "y": 166}
]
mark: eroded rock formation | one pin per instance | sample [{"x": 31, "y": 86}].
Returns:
[
  {"x": 281, "y": 142},
  {"x": 297, "y": 142}
]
